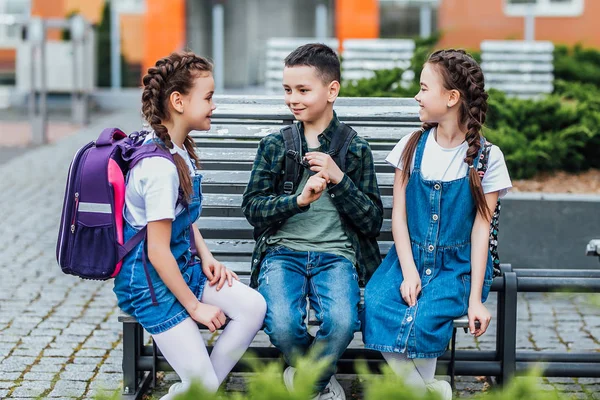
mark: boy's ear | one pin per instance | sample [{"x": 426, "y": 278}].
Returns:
[
  {"x": 333, "y": 91},
  {"x": 176, "y": 101}
]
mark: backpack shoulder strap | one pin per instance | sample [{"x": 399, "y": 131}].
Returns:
[
  {"x": 148, "y": 150},
  {"x": 338, "y": 148},
  {"x": 293, "y": 154},
  {"x": 484, "y": 157}
]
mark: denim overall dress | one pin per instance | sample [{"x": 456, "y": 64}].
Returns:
[
  {"x": 440, "y": 217},
  {"x": 131, "y": 284}
]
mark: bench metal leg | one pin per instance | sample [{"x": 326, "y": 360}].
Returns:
[
  {"x": 452, "y": 358},
  {"x": 509, "y": 328},
  {"x": 135, "y": 383}
]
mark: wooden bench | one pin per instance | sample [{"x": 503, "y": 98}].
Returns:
[
  {"x": 277, "y": 50},
  {"x": 227, "y": 152},
  {"x": 361, "y": 57},
  {"x": 519, "y": 68}
]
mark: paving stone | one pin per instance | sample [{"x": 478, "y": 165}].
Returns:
[
  {"x": 53, "y": 368},
  {"x": 9, "y": 376},
  {"x": 33, "y": 352},
  {"x": 38, "y": 376},
  {"x": 77, "y": 375},
  {"x": 81, "y": 367},
  {"x": 91, "y": 353},
  {"x": 6, "y": 384},
  {"x": 62, "y": 352},
  {"x": 64, "y": 388},
  {"x": 13, "y": 364},
  {"x": 31, "y": 388},
  {"x": 111, "y": 368}
]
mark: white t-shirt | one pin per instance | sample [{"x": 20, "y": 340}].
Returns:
[
  {"x": 152, "y": 189},
  {"x": 441, "y": 164}
]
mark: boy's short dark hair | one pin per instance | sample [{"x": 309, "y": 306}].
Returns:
[{"x": 319, "y": 56}]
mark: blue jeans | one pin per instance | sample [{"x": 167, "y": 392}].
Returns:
[{"x": 285, "y": 280}]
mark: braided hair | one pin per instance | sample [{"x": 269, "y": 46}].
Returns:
[
  {"x": 175, "y": 73},
  {"x": 459, "y": 71}
]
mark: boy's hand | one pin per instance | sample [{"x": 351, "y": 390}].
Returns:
[
  {"x": 478, "y": 312},
  {"x": 313, "y": 189},
  {"x": 323, "y": 162}
]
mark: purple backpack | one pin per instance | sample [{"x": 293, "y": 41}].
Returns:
[{"x": 90, "y": 240}]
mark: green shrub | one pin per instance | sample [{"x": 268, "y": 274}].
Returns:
[
  {"x": 266, "y": 384},
  {"x": 576, "y": 64}
]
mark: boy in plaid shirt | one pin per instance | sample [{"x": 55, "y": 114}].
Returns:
[{"x": 321, "y": 240}]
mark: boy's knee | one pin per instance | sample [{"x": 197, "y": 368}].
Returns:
[
  {"x": 284, "y": 332},
  {"x": 341, "y": 324}
]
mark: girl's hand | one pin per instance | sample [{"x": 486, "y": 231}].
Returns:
[
  {"x": 411, "y": 287},
  {"x": 217, "y": 272},
  {"x": 478, "y": 312},
  {"x": 210, "y": 316}
]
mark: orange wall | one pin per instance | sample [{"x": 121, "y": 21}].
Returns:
[
  {"x": 49, "y": 9},
  {"x": 164, "y": 26},
  {"x": 90, "y": 9},
  {"x": 356, "y": 19},
  {"x": 465, "y": 23}
]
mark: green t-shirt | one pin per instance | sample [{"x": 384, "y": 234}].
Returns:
[{"x": 318, "y": 229}]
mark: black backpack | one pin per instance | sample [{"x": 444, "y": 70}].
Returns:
[
  {"x": 338, "y": 149},
  {"x": 494, "y": 226}
]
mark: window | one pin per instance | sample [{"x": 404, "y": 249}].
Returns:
[
  {"x": 544, "y": 8},
  {"x": 130, "y": 6},
  {"x": 12, "y": 11}
]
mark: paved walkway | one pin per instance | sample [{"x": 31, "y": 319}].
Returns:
[{"x": 59, "y": 336}]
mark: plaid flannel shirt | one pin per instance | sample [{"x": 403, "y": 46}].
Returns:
[{"x": 356, "y": 198}]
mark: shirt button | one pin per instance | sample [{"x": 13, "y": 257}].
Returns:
[
  {"x": 437, "y": 186},
  {"x": 263, "y": 239},
  {"x": 435, "y": 217},
  {"x": 255, "y": 261},
  {"x": 409, "y": 319},
  {"x": 428, "y": 271},
  {"x": 430, "y": 248},
  {"x": 332, "y": 195}
]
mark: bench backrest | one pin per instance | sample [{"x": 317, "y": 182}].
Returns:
[
  {"x": 361, "y": 57},
  {"x": 519, "y": 68},
  {"x": 277, "y": 50},
  {"x": 227, "y": 152}
]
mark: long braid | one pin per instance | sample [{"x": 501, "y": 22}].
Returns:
[{"x": 175, "y": 73}]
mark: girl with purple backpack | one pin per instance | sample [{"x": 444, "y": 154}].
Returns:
[{"x": 166, "y": 197}]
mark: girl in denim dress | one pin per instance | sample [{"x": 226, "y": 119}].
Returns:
[
  {"x": 166, "y": 197},
  {"x": 440, "y": 267}
]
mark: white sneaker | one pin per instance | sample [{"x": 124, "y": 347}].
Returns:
[
  {"x": 288, "y": 378},
  {"x": 442, "y": 388},
  {"x": 333, "y": 391},
  {"x": 174, "y": 390}
]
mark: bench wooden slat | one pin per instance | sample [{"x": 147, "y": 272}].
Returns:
[
  {"x": 240, "y": 228},
  {"x": 241, "y": 250},
  {"x": 229, "y": 205},
  {"x": 254, "y": 133},
  {"x": 249, "y": 154}
]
